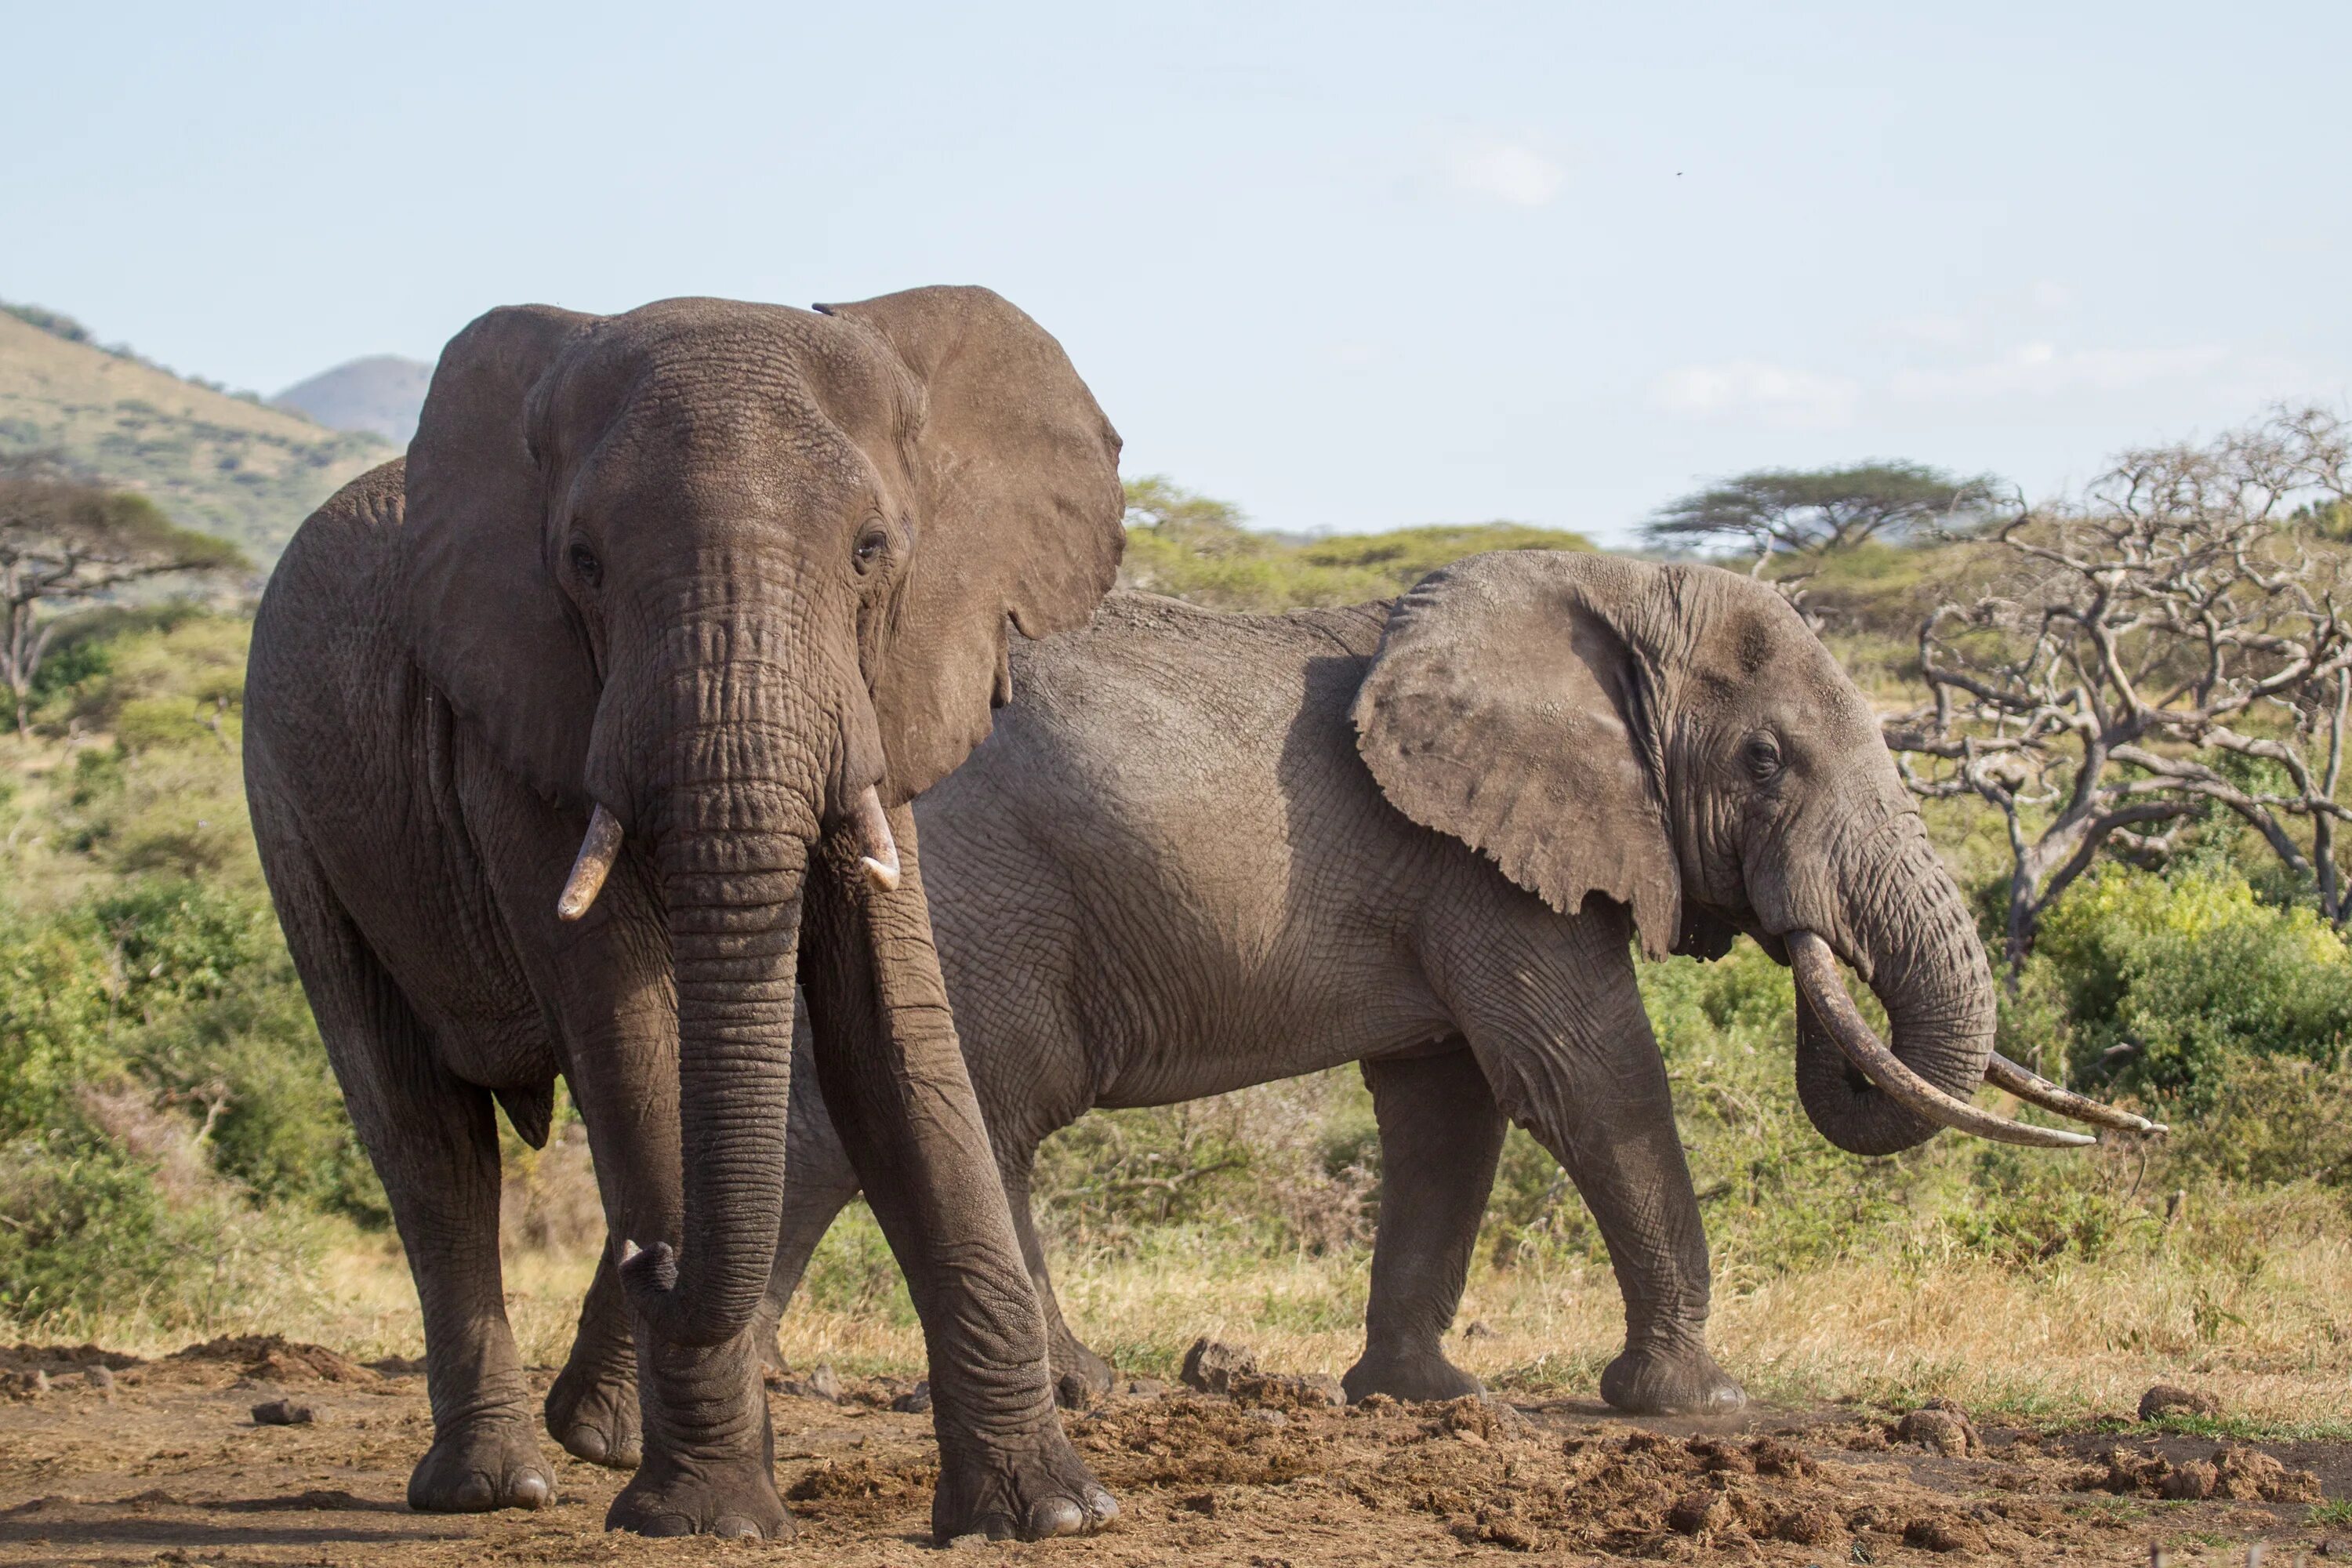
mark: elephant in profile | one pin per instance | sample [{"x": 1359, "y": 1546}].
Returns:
[
  {"x": 1202, "y": 851},
  {"x": 576, "y": 740}
]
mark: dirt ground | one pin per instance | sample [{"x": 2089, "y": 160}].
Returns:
[{"x": 162, "y": 1461}]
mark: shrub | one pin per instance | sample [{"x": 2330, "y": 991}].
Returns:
[
  {"x": 94, "y": 1227},
  {"x": 2168, "y": 982}
]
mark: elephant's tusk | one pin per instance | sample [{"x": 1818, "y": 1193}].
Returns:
[
  {"x": 1817, "y": 972},
  {"x": 2034, "y": 1089},
  {"x": 598, "y": 851},
  {"x": 879, "y": 856}
]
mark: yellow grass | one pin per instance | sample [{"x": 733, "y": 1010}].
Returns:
[{"x": 2271, "y": 1338}]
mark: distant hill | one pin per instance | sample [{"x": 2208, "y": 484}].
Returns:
[
  {"x": 225, "y": 464},
  {"x": 380, "y": 394}
]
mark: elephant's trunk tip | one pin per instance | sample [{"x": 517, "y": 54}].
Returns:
[
  {"x": 1816, "y": 976},
  {"x": 598, "y": 851},
  {"x": 878, "y": 852}
]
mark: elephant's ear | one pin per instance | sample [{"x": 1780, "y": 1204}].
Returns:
[
  {"x": 1020, "y": 519},
  {"x": 1508, "y": 709},
  {"x": 487, "y": 623}
]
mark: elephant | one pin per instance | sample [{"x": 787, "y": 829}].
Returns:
[
  {"x": 579, "y": 736},
  {"x": 1203, "y": 850}
]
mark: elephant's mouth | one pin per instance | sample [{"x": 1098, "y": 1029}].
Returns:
[
  {"x": 601, "y": 845},
  {"x": 1817, "y": 977}
]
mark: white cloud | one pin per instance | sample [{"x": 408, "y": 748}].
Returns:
[
  {"x": 1753, "y": 388},
  {"x": 2042, "y": 369},
  {"x": 1509, "y": 172}
]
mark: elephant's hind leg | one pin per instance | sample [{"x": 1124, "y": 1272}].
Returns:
[
  {"x": 592, "y": 1407},
  {"x": 1440, "y": 1135},
  {"x": 1080, "y": 1376},
  {"x": 433, "y": 1141}
]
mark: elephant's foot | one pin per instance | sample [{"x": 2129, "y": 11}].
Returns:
[
  {"x": 687, "y": 1497},
  {"x": 1418, "y": 1375},
  {"x": 488, "y": 1462},
  {"x": 1670, "y": 1378},
  {"x": 592, "y": 1412},
  {"x": 1080, "y": 1376},
  {"x": 1030, "y": 1493}
]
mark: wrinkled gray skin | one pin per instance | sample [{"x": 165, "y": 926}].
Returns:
[
  {"x": 723, "y": 571},
  {"x": 1202, "y": 851}
]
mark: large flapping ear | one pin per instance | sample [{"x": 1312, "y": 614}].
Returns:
[
  {"x": 1508, "y": 709},
  {"x": 487, "y": 622},
  {"x": 1020, "y": 519}
]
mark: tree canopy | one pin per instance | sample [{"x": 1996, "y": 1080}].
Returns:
[
  {"x": 65, "y": 544},
  {"x": 1813, "y": 512}
]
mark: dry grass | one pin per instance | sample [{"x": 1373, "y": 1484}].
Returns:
[{"x": 2270, "y": 1334}]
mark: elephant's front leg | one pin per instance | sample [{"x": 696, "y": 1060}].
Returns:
[
  {"x": 894, "y": 1075},
  {"x": 707, "y": 1463},
  {"x": 1552, "y": 1010}
]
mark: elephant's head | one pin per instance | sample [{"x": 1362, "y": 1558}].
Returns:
[
  {"x": 731, "y": 577},
  {"x": 1675, "y": 738}
]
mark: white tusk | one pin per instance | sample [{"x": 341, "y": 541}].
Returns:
[
  {"x": 1817, "y": 972},
  {"x": 598, "y": 851},
  {"x": 2034, "y": 1089},
  {"x": 880, "y": 860},
  {"x": 629, "y": 1249}
]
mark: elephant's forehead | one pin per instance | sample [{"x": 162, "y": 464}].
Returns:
[{"x": 769, "y": 403}]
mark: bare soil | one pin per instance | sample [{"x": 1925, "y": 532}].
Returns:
[{"x": 163, "y": 1462}]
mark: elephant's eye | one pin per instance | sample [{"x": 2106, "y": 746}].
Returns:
[
  {"x": 1762, "y": 756},
  {"x": 590, "y": 570},
  {"x": 870, "y": 547}
]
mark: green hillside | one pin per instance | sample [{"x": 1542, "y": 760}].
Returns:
[{"x": 223, "y": 464}]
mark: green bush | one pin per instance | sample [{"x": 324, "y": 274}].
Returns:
[
  {"x": 2168, "y": 982},
  {"x": 93, "y": 1229}
]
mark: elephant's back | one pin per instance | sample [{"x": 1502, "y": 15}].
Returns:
[
  {"x": 1165, "y": 838},
  {"x": 327, "y": 609}
]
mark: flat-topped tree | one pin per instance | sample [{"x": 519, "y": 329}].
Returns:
[
  {"x": 65, "y": 544},
  {"x": 1815, "y": 511}
]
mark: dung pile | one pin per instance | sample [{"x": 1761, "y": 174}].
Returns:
[
  {"x": 272, "y": 1358},
  {"x": 2233, "y": 1473},
  {"x": 1190, "y": 1440},
  {"x": 1644, "y": 1494}
]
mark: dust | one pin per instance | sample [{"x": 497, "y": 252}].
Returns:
[{"x": 171, "y": 1461}]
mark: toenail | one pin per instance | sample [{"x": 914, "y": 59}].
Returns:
[{"x": 1055, "y": 1515}]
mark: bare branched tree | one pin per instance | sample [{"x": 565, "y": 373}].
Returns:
[
  {"x": 2168, "y": 645},
  {"x": 65, "y": 544}
]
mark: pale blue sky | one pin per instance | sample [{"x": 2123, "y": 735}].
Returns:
[{"x": 1351, "y": 264}]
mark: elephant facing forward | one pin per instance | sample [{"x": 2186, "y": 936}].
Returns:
[
  {"x": 576, "y": 740},
  {"x": 1202, "y": 851}
]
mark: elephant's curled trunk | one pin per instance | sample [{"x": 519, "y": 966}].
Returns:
[{"x": 1910, "y": 932}]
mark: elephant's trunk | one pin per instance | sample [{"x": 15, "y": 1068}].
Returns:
[
  {"x": 734, "y": 897},
  {"x": 1907, "y": 928},
  {"x": 731, "y": 803}
]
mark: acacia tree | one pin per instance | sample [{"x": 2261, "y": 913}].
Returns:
[
  {"x": 1814, "y": 512},
  {"x": 65, "y": 544},
  {"x": 2168, "y": 645}
]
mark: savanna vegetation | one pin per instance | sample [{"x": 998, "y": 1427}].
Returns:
[
  {"x": 211, "y": 459},
  {"x": 174, "y": 1161}
]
